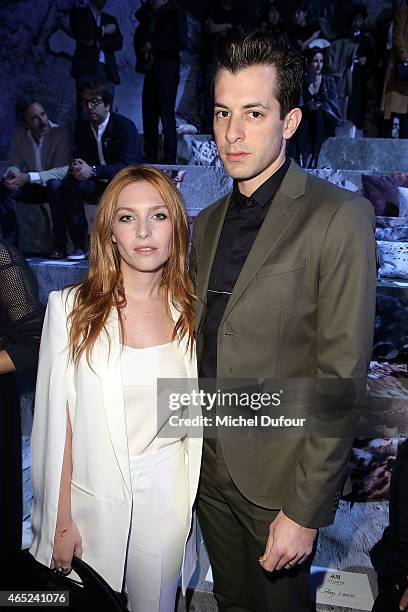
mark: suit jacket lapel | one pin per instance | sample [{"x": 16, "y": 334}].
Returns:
[
  {"x": 280, "y": 216},
  {"x": 212, "y": 236}
]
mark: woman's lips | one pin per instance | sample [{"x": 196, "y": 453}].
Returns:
[{"x": 145, "y": 250}]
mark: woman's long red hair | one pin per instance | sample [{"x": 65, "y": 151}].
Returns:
[{"x": 102, "y": 290}]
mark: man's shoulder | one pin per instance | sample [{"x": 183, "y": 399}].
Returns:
[
  {"x": 122, "y": 121},
  {"x": 324, "y": 194}
]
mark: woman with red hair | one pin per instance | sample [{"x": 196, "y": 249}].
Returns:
[{"x": 111, "y": 482}]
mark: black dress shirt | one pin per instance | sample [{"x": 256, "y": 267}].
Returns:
[{"x": 242, "y": 223}]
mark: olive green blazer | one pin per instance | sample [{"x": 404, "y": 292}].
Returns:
[{"x": 303, "y": 307}]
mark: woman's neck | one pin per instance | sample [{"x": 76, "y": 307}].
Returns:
[{"x": 142, "y": 285}]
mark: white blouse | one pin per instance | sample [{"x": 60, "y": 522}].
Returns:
[{"x": 141, "y": 367}]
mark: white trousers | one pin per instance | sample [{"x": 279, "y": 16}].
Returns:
[{"x": 158, "y": 529}]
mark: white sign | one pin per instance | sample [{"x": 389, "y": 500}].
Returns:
[
  {"x": 345, "y": 589},
  {"x": 336, "y": 588}
]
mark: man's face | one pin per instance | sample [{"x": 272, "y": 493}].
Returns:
[
  {"x": 95, "y": 108},
  {"x": 273, "y": 16},
  {"x": 300, "y": 17},
  {"x": 248, "y": 129},
  {"x": 36, "y": 120},
  {"x": 357, "y": 23}
]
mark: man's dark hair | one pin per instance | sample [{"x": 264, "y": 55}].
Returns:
[
  {"x": 357, "y": 8},
  {"x": 301, "y": 6},
  {"x": 240, "y": 49},
  {"x": 101, "y": 88},
  {"x": 23, "y": 103}
]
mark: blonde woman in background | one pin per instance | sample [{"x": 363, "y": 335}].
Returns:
[{"x": 107, "y": 487}]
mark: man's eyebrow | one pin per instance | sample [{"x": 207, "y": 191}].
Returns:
[{"x": 249, "y": 105}]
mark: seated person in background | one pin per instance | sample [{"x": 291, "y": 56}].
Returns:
[
  {"x": 105, "y": 143},
  {"x": 320, "y": 110},
  {"x": 39, "y": 159},
  {"x": 303, "y": 32},
  {"x": 390, "y": 555}
]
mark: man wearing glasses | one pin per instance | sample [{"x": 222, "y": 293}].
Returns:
[{"x": 105, "y": 143}]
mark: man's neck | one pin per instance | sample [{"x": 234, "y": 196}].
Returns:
[{"x": 97, "y": 124}]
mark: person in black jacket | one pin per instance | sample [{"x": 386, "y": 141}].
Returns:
[
  {"x": 21, "y": 317},
  {"x": 97, "y": 36},
  {"x": 320, "y": 110},
  {"x": 158, "y": 40},
  {"x": 390, "y": 555},
  {"x": 105, "y": 143}
]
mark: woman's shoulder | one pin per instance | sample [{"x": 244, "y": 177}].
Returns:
[{"x": 62, "y": 299}]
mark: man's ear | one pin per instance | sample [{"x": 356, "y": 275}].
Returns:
[{"x": 291, "y": 122}]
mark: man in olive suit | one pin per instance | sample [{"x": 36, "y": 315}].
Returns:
[{"x": 285, "y": 268}]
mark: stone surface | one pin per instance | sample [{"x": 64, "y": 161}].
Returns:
[
  {"x": 35, "y": 57},
  {"x": 368, "y": 154}
]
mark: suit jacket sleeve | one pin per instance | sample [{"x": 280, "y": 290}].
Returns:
[
  {"x": 345, "y": 321},
  {"x": 111, "y": 42},
  {"x": 49, "y": 427},
  {"x": 399, "y": 41},
  {"x": 130, "y": 152},
  {"x": 15, "y": 156}
]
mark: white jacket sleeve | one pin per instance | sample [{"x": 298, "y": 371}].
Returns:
[{"x": 49, "y": 427}]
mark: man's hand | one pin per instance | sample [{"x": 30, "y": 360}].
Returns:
[
  {"x": 80, "y": 170},
  {"x": 288, "y": 544},
  {"x": 109, "y": 28},
  {"x": 403, "y": 604},
  {"x": 16, "y": 179}
]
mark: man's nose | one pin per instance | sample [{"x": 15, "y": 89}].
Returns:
[{"x": 235, "y": 130}]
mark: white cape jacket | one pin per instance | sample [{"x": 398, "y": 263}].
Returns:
[{"x": 101, "y": 486}]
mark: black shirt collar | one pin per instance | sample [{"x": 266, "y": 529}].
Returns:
[{"x": 265, "y": 192}]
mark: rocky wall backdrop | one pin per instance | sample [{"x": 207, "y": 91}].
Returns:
[{"x": 36, "y": 48}]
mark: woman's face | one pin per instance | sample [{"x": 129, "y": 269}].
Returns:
[
  {"x": 142, "y": 228},
  {"x": 273, "y": 16},
  {"x": 300, "y": 17},
  {"x": 317, "y": 63}
]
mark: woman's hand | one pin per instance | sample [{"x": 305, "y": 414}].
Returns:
[{"x": 67, "y": 542}]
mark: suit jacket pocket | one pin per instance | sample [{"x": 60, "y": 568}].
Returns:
[
  {"x": 281, "y": 268},
  {"x": 81, "y": 488}
]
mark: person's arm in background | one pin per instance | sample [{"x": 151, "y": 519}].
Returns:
[
  {"x": 399, "y": 42},
  {"x": 20, "y": 337},
  {"x": 110, "y": 37},
  {"x": 61, "y": 161}
]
